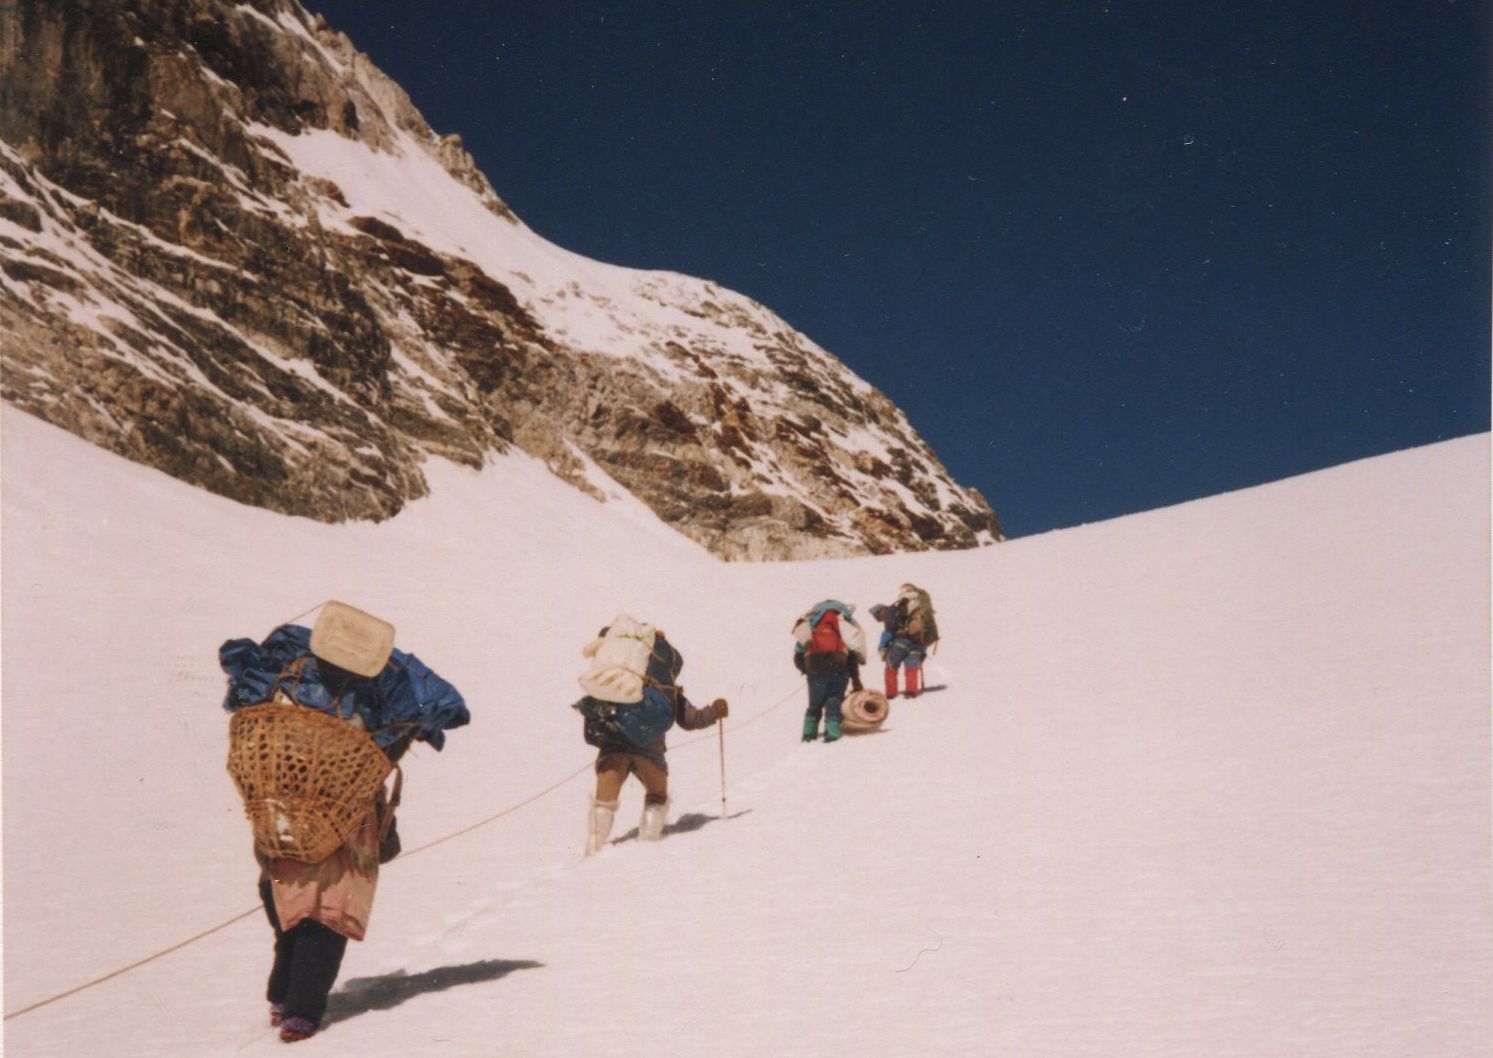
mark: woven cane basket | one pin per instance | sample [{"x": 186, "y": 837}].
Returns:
[{"x": 307, "y": 778}]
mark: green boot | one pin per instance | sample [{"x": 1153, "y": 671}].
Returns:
[
  {"x": 831, "y": 730},
  {"x": 811, "y": 728}
]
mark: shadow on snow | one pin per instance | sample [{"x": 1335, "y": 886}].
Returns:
[
  {"x": 362, "y": 994},
  {"x": 685, "y": 824}
]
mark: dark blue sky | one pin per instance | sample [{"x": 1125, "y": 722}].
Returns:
[{"x": 1107, "y": 255}]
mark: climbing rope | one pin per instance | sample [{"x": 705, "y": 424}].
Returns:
[
  {"x": 404, "y": 855},
  {"x": 131, "y": 966},
  {"x": 579, "y": 771}
]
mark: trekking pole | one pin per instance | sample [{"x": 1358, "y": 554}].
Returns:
[{"x": 720, "y": 727}]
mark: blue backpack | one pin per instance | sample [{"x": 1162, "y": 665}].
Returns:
[
  {"x": 641, "y": 723},
  {"x": 645, "y": 721}
]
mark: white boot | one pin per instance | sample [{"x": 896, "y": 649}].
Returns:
[
  {"x": 600, "y": 822},
  {"x": 652, "y": 826}
]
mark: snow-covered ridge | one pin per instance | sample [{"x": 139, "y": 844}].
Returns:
[{"x": 269, "y": 234}]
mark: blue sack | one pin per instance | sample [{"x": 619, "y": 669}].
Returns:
[
  {"x": 405, "y": 697},
  {"x": 644, "y": 722},
  {"x": 640, "y": 723}
]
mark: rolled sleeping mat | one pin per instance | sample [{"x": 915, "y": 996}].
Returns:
[{"x": 864, "y": 710}]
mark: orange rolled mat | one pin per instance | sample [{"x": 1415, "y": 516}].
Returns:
[{"x": 864, "y": 710}]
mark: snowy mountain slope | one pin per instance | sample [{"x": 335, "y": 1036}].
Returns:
[
  {"x": 1185, "y": 789},
  {"x": 231, "y": 248}
]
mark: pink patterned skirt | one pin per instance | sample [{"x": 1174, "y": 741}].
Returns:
[{"x": 337, "y": 892}]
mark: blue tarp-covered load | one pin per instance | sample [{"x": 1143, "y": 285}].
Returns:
[{"x": 405, "y": 696}]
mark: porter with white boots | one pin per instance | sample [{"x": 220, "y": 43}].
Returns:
[
  {"x": 602, "y": 814},
  {"x": 632, "y": 698}
]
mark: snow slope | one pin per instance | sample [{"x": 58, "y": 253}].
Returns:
[{"x": 1212, "y": 780}]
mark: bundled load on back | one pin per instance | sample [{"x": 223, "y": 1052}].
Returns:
[
  {"x": 629, "y": 687},
  {"x": 920, "y": 623},
  {"x": 828, "y": 639},
  {"x": 320, "y": 716}
]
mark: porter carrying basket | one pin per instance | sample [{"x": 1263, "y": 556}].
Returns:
[{"x": 307, "y": 778}]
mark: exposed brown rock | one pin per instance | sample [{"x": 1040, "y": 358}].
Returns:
[{"x": 172, "y": 292}]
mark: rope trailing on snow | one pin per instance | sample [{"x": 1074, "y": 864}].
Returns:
[
  {"x": 131, "y": 966},
  {"x": 579, "y": 771},
  {"x": 405, "y": 855},
  {"x": 494, "y": 818}
]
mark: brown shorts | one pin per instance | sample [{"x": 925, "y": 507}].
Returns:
[{"x": 612, "y": 769}]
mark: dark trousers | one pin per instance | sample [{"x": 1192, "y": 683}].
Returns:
[
  {"x": 826, "y": 693},
  {"x": 899, "y": 655},
  {"x": 307, "y": 959}
]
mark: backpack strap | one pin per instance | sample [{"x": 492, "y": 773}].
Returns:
[
  {"x": 278, "y": 693},
  {"x": 391, "y": 804}
]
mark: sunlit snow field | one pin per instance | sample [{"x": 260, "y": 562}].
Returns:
[{"x": 1212, "y": 780}]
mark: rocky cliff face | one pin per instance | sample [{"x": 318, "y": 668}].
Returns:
[{"x": 230, "y": 248}]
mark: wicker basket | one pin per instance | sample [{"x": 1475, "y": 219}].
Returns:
[{"x": 307, "y": 778}]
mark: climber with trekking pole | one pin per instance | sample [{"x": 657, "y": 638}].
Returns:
[
  {"x": 320, "y": 720},
  {"x": 632, "y": 698}
]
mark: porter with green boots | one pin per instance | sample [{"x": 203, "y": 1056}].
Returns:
[{"x": 829, "y": 649}]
